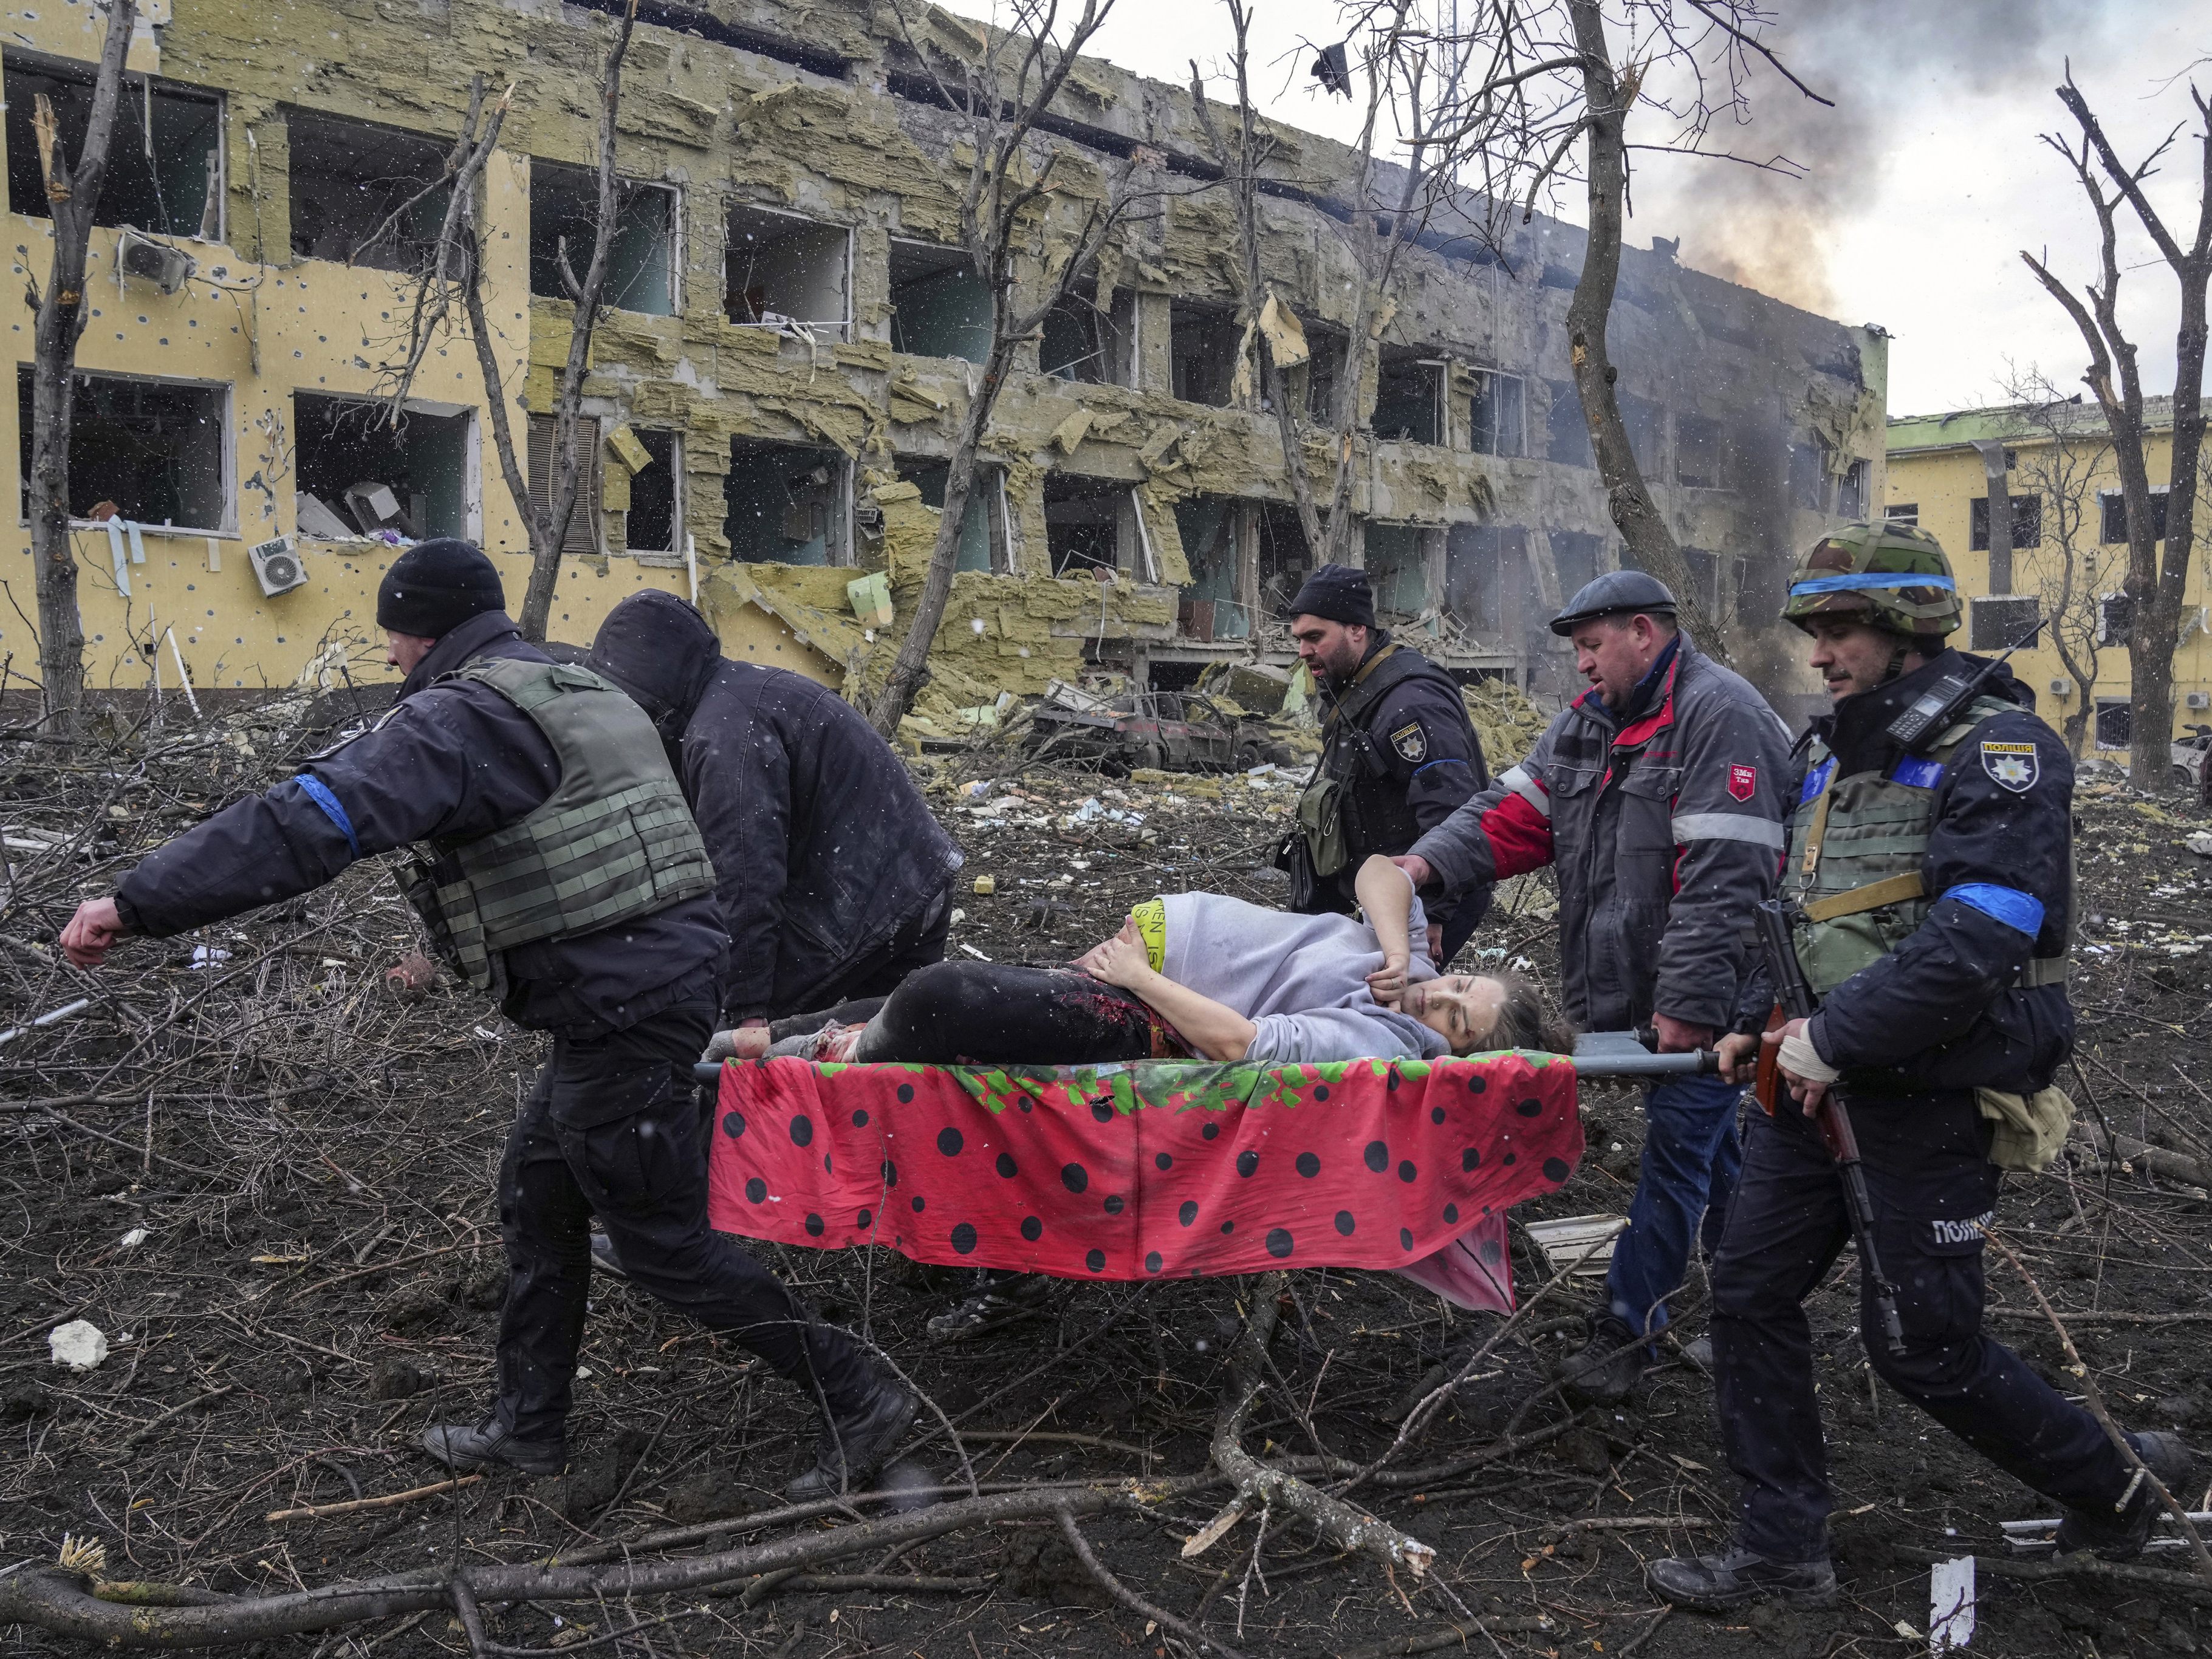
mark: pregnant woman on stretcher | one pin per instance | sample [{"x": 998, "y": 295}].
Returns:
[{"x": 1195, "y": 976}]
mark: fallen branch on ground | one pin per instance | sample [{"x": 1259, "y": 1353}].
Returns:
[{"x": 315, "y": 1512}]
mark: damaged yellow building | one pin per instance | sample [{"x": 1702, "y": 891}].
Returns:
[{"x": 791, "y": 337}]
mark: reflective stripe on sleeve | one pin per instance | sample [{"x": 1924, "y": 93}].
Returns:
[
  {"x": 1727, "y": 826},
  {"x": 1519, "y": 781}
]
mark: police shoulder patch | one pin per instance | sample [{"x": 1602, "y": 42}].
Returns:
[
  {"x": 1411, "y": 741},
  {"x": 2013, "y": 765}
]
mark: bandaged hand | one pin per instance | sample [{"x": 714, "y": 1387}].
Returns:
[{"x": 1807, "y": 1074}]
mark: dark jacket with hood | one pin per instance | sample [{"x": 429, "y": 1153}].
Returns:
[
  {"x": 1945, "y": 1009},
  {"x": 822, "y": 847},
  {"x": 451, "y": 760}
]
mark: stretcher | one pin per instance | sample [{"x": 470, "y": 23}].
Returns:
[{"x": 1160, "y": 1169}]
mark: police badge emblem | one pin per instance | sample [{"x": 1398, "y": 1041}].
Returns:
[
  {"x": 2012, "y": 765},
  {"x": 1411, "y": 742}
]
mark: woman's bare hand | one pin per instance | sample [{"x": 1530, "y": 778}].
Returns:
[
  {"x": 1386, "y": 984},
  {"x": 1089, "y": 961},
  {"x": 1120, "y": 961}
]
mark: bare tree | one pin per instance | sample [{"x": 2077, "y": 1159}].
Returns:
[
  {"x": 1001, "y": 90},
  {"x": 1387, "y": 216},
  {"x": 72, "y": 198},
  {"x": 2065, "y": 456},
  {"x": 2154, "y": 586},
  {"x": 452, "y": 278}
]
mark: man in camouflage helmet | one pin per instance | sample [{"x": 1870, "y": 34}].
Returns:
[{"x": 1935, "y": 883}]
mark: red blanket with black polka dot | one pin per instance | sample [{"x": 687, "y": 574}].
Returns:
[{"x": 1156, "y": 1168}]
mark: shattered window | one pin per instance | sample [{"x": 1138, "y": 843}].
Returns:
[
  {"x": 154, "y": 451},
  {"x": 564, "y": 209},
  {"x": 786, "y": 504},
  {"x": 1086, "y": 344},
  {"x": 1902, "y": 513},
  {"x": 1397, "y": 566},
  {"x": 368, "y": 195},
  {"x": 982, "y": 519},
  {"x": 2115, "y": 723},
  {"x": 780, "y": 269},
  {"x": 164, "y": 163},
  {"x": 2026, "y": 521},
  {"x": 940, "y": 307},
  {"x": 1211, "y": 608},
  {"x": 1999, "y": 623},
  {"x": 1485, "y": 570},
  {"x": 1284, "y": 557},
  {"x": 1808, "y": 478},
  {"x": 1324, "y": 370},
  {"x": 1566, "y": 434},
  {"x": 1409, "y": 396},
  {"x": 356, "y": 474},
  {"x": 1088, "y": 522},
  {"x": 1202, "y": 348},
  {"x": 1701, "y": 453},
  {"x": 1575, "y": 557},
  {"x": 1499, "y": 425},
  {"x": 1850, "y": 491},
  {"x": 655, "y": 517},
  {"x": 2114, "y": 513}
]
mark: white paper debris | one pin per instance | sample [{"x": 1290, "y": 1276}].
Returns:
[
  {"x": 206, "y": 956},
  {"x": 133, "y": 1239},
  {"x": 1951, "y": 1604},
  {"x": 80, "y": 1345}
]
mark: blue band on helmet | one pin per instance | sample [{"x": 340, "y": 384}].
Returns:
[
  {"x": 2017, "y": 910},
  {"x": 319, "y": 792},
  {"x": 1868, "y": 579}
]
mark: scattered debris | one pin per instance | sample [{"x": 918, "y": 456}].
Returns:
[
  {"x": 1585, "y": 1241},
  {"x": 1951, "y": 1604}
]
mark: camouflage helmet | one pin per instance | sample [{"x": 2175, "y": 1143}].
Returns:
[{"x": 1892, "y": 576}]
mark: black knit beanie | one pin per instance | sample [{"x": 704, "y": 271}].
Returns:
[
  {"x": 1337, "y": 592},
  {"x": 433, "y": 588}
]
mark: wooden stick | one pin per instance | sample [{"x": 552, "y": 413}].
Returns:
[
  {"x": 2093, "y": 1397},
  {"x": 316, "y": 1512}
]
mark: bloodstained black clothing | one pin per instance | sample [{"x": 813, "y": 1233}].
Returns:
[
  {"x": 1409, "y": 758},
  {"x": 823, "y": 850},
  {"x": 995, "y": 1013},
  {"x": 451, "y": 760}
]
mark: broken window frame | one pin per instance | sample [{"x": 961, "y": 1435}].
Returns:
[
  {"x": 586, "y": 535},
  {"x": 1428, "y": 557},
  {"x": 1699, "y": 439},
  {"x": 2113, "y": 725},
  {"x": 226, "y": 483},
  {"x": 1508, "y": 440},
  {"x": 840, "y": 326},
  {"x": 945, "y": 261},
  {"x": 1113, "y": 337},
  {"x": 131, "y": 121},
  {"x": 1901, "y": 512},
  {"x": 627, "y": 193},
  {"x": 1133, "y": 548},
  {"x": 1997, "y": 622},
  {"x": 2112, "y": 516},
  {"x": 1852, "y": 489},
  {"x": 1393, "y": 360},
  {"x": 997, "y": 524},
  {"x": 837, "y": 530},
  {"x": 1315, "y": 392},
  {"x": 678, "y": 486},
  {"x": 471, "y": 524},
  {"x": 407, "y": 254},
  {"x": 1216, "y": 319},
  {"x": 1238, "y": 526},
  {"x": 2026, "y": 521}
]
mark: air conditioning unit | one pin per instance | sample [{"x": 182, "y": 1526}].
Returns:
[
  {"x": 2061, "y": 688},
  {"x": 277, "y": 566},
  {"x": 2199, "y": 700},
  {"x": 167, "y": 268}
]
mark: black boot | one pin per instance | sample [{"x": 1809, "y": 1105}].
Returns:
[
  {"x": 856, "y": 1443},
  {"x": 2120, "y": 1536},
  {"x": 1604, "y": 1369},
  {"x": 604, "y": 1259},
  {"x": 1720, "y": 1584},
  {"x": 465, "y": 1447}
]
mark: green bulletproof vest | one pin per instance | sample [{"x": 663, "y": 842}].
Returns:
[
  {"x": 1856, "y": 846},
  {"x": 614, "y": 840}
]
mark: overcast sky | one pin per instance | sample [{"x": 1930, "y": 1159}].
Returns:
[{"x": 1922, "y": 185}]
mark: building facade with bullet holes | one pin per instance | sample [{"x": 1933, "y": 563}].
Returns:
[{"x": 791, "y": 335}]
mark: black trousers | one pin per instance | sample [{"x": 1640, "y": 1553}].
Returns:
[
  {"x": 612, "y": 1129},
  {"x": 1932, "y": 1187},
  {"x": 916, "y": 942},
  {"x": 996, "y": 1013}
]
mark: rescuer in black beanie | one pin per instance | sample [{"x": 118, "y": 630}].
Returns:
[{"x": 436, "y": 587}]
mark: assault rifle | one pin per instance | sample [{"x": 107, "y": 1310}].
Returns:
[{"x": 1794, "y": 999}]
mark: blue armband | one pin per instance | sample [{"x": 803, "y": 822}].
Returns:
[
  {"x": 2008, "y": 905},
  {"x": 319, "y": 792}
]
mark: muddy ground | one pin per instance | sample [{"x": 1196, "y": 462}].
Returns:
[{"x": 268, "y": 1181}]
